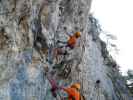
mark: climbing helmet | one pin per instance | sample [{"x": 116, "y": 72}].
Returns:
[
  {"x": 76, "y": 86},
  {"x": 77, "y": 34}
]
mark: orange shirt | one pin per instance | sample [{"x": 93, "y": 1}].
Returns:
[
  {"x": 72, "y": 41},
  {"x": 72, "y": 93}
]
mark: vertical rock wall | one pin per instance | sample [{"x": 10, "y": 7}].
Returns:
[{"x": 29, "y": 30}]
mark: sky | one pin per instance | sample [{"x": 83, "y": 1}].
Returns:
[{"x": 116, "y": 17}]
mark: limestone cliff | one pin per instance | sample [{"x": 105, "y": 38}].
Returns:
[{"x": 29, "y": 31}]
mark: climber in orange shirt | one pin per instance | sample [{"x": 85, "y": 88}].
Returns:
[
  {"x": 72, "y": 40},
  {"x": 73, "y": 92}
]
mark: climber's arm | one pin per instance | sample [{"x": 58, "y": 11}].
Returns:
[
  {"x": 68, "y": 90},
  {"x": 69, "y": 34}
]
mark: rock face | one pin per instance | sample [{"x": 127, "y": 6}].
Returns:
[{"x": 29, "y": 31}]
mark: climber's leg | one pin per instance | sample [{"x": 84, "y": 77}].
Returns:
[
  {"x": 61, "y": 51},
  {"x": 53, "y": 91},
  {"x": 69, "y": 46}
]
